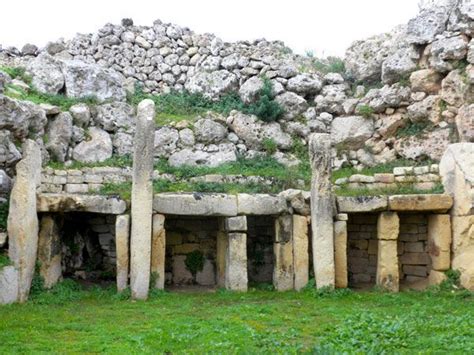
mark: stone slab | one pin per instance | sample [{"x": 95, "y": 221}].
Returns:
[
  {"x": 158, "y": 244},
  {"x": 422, "y": 202},
  {"x": 300, "y": 251},
  {"x": 361, "y": 204},
  {"x": 195, "y": 204},
  {"x": 261, "y": 204},
  {"x": 122, "y": 244},
  {"x": 8, "y": 285},
  {"x": 80, "y": 203}
]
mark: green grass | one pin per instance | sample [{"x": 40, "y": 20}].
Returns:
[
  {"x": 326, "y": 65},
  {"x": 415, "y": 129},
  {"x": 4, "y": 260},
  {"x": 401, "y": 189},
  {"x": 115, "y": 161},
  {"x": 183, "y": 105},
  {"x": 4, "y": 207},
  {"x": 70, "y": 321}
]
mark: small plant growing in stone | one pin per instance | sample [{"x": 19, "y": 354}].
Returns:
[
  {"x": 270, "y": 146},
  {"x": 365, "y": 111},
  {"x": 194, "y": 262}
]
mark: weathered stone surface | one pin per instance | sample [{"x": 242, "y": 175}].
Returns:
[
  {"x": 340, "y": 253},
  {"x": 46, "y": 74},
  {"x": 436, "y": 277},
  {"x": 457, "y": 172},
  {"x": 465, "y": 123},
  {"x": 432, "y": 145},
  {"x": 142, "y": 201},
  {"x": 81, "y": 115},
  {"x": 430, "y": 22},
  {"x": 446, "y": 50},
  {"x": 22, "y": 218},
  {"x": 426, "y": 80},
  {"x": 455, "y": 89},
  {"x": 62, "y": 202},
  {"x": 189, "y": 157},
  {"x": 59, "y": 132},
  {"x": 439, "y": 241},
  {"x": 115, "y": 116},
  {"x": 399, "y": 64},
  {"x": 388, "y": 226},
  {"x": 322, "y": 210},
  {"x": 249, "y": 91},
  {"x": 292, "y": 103},
  {"x": 236, "y": 224},
  {"x": 222, "y": 245},
  {"x": 300, "y": 251},
  {"x": 236, "y": 278},
  {"x": 348, "y": 204},
  {"x": 49, "y": 251},
  {"x": 433, "y": 202},
  {"x": 122, "y": 245},
  {"x": 158, "y": 244},
  {"x": 209, "y": 131},
  {"x": 83, "y": 80},
  {"x": 351, "y": 132},
  {"x": 212, "y": 84},
  {"x": 260, "y": 204},
  {"x": 195, "y": 204},
  {"x": 97, "y": 149},
  {"x": 387, "y": 265},
  {"x": 305, "y": 84},
  {"x": 283, "y": 268},
  {"x": 8, "y": 285}
]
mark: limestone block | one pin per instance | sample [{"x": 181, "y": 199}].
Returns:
[
  {"x": 158, "y": 246},
  {"x": 427, "y": 202},
  {"x": 261, "y": 204},
  {"x": 207, "y": 276},
  {"x": 181, "y": 275},
  {"x": 415, "y": 258},
  {"x": 322, "y": 210},
  {"x": 49, "y": 251},
  {"x": 340, "y": 253},
  {"x": 236, "y": 277},
  {"x": 436, "y": 277},
  {"x": 8, "y": 285},
  {"x": 387, "y": 265},
  {"x": 300, "y": 251},
  {"x": 142, "y": 201},
  {"x": 80, "y": 203},
  {"x": 222, "y": 245},
  {"x": 439, "y": 241},
  {"x": 388, "y": 226},
  {"x": 347, "y": 204},
  {"x": 283, "y": 272},
  {"x": 22, "y": 218},
  {"x": 195, "y": 204},
  {"x": 76, "y": 188},
  {"x": 463, "y": 233},
  {"x": 236, "y": 224},
  {"x": 122, "y": 245}
]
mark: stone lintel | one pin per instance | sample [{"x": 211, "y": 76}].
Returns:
[
  {"x": 422, "y": 202},
  {"x": 261, "y": 204},
  {"x": 61, "y": 202},
  {"x": 195, "y": 204},
  {"x": 361, "y": 204}
]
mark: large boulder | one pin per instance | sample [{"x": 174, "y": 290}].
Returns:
[
  {"x": 293, "y": 104},
  {"x": 81, "y": 115},
  {"x": 427, "y": 145},
  {"x": 426, "y": 109},
  {"x": 191, "y": 157},
  {"x": 96, "y": 149},
  {"x": 209, "y": 131},
  {"x": 166, "y": 141},
  {"x": 212, "y": 85},
  {"x": 305, "y": 84},
  {"x": 115, "y": 116},
  {"x": 331, "y": 99},
  {"x": 59, "y": 133},
  {"x": 46, "y": 73},
  {"x": 447, "y": 50},
  {"x": 4, "y": 80},
  {"x": 455, "y": 90},
  {"x": 91, "y": 80},
  {"x": 399, "y": 64},
  {"x": 22, "y": 118},
  {"x": 426, "y": 80},
  {"x": 351, "y": 132},
  {"x": 465, "y": 123},
  {"x": 430, "y": 22},
  {"x": 9, "y": 153},
  {"x": 250, "y": 90}
]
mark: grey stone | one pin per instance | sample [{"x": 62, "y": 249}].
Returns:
[
  {"x": 114, "y": 116},
  {"x": 212, "y": 85},
  {"x": 189, "y": 157},
  {"x": 236, "y": 277},
  {"x": 249, "y": 90},
  {"x": 236, "y": 224},
  {"x": 429, "y": 23},
  {"x": 261, "y": 204},
  {"x": 81, "y": 115},
  {"x": 293, "y": 104},
  {"x": 63, "y": 202},
  {"x": 49, "y": 251},
  {"x": 59, "y": 133},
  {"x": 351, "y": 132},
  {"x": 305, "y": 84},
  {"x": 46, "y": 74},
  {"x": 195, "y": 204},
  {"x": 8, "y": 285},
  {"x": 98, "y": 148},
  {"x": 122, "y": 243},
  {"x": 209, "y": 131},
  {"x": 362, "y": 204}
]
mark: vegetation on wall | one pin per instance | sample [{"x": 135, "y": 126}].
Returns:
[{"x": 194, "y": 262}]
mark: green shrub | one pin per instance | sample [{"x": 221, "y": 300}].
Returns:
[
  {"x": 4, "y": 260},
  {"x": 365, "y": 111},
  {"x": 270, "y": 145},
  {"x": 414, "y": 129},
  {"x": 327, "y": 65},
  {"x": 63, "y": 292},
  {"x": 4, "y": 207},
  {"x": 194, "y": 262}
]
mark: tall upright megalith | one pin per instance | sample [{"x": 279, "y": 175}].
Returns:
[
  {"x": 322, "y": 210},
  {"x": 22, "y": 218},
  {"x": 142, "y": 200}
]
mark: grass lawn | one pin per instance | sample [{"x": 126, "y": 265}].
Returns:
[{"x": 256, "y": 322}]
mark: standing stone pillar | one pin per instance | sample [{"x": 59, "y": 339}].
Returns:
[
  {"x": 142, "y": 200},
  {"x": 49, "y": 251},
  {"x": 158, "y": 251},
  {"x": 388, "y": 226},
  {"x": 22, "y": 217},
  {"x": 340, "y": 253},
  {"x": 283, "y": 272},
  {"x": 122, "y": 245},
  {"x": 222, "y": 245},
  {"x": 439, "y": 246},
  {"x": 236, "y": 276},
  {"x": 322, "y": 210},
  {"x": 300, "y": 251}
]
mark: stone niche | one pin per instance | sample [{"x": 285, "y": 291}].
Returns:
[
  {"x": 362, "y": 249},
  {"x": 260, "y": 249},
  {"x": 188, "y": 238},
  {"x": 413, "y": 258},
  {"x": 77, "y": 245}
]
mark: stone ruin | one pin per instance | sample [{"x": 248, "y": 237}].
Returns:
[{"x": 67, "y": 229}]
